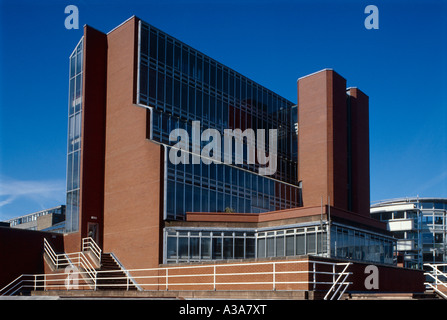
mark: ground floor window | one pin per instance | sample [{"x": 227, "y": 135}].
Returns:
[
  {"x": 360, "y": 245},
  {"x": 292, "y": 242},
  {"x": 194, "y": 245}
]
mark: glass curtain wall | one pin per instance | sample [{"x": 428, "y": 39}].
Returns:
[
  {"x": 310, "y": 240},
  {"x": 182, "y": 85},
  {"x": 358, "y": 245},
  {"x": 195, "y": 245},
  {"x": 74, "y": 138},
  {"x": 433, "y": 221},
  {"x": 223, "y": 188}
]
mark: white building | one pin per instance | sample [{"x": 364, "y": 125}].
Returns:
[{"x": 420, "y": 225}]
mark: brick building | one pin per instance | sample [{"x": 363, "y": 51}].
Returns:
[{"x": 134, "y": 86}]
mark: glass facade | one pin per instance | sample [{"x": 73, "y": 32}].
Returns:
[
  {"x": 420, "y": 227},
  {"x": 310, "y": 240},
  {"x": 222, "y": 188},
  {"x": 74, "y": 138},
  {"x": 205, "y": 245},
  {"x": 359, "y": 245},
  {"x": 201, "y": 244},
  {"x": 182, "y": 85}
]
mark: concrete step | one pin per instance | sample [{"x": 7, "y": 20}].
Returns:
[
  {"x": 389, "y": 296},
  {"x": 113, "y": 278}
]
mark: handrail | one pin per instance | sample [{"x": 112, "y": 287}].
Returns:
[
  {"x": 90, "y": 244},
  {"x": 130, "y": 278},
  {"x": 436, "y": 274},
  {"x": 340, "y": 284},
  {"x": 78, "y": 258},
  {"x": 50, "y": 253},
  {"x": 166, "y": 278},
  {"x": 13, "y": 284}
]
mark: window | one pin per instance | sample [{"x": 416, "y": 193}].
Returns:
[
  {"x": 427, "y": 205},
  {"x": 399, "y": 214},
  {"x": 205, "y": 248},
  {"x": 228, "y": 247},
  {"x": 239, "y": 248},
  {"x": 183, "y": 247},
  {"x": 169, "y": 54},
  {"x": 311, "y": 243},
  {"x": 300, "y": 244},
  {"x": 217, "y": 247},
  {"x": 172, "y": 248},
  {"x": 153, "y": 45},
  {"x": 270, "y": 244},
  {"x": 194, "y": 248},
  {"x": 161, "y": 48},
  {"x": 280, "y": 244},
  {"x": 185, "y": 60},
  {"x": 261, "y": 247}
]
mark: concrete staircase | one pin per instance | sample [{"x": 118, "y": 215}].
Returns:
[{"x": 111, "y": 276}]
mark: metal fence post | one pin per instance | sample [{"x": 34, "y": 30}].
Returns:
[
  {"x": 214, "y": 278},
  {"x": 274, "y": 276},
  {"x": 167, "y": 276},
  {"x": 333, "y": 273}
]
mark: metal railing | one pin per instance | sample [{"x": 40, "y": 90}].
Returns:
[
  {"x": 272, "y": 276},
  {"x": 88, "y": 244},
  {"x": 439, "y": 284},
  {"x": 52, "y": 256},
  {"x": 129, "y": 279},
  {"x": 70, "y": 262},
  {"x": 73, "y": 260},
  {"x": 338, "y": 284}
]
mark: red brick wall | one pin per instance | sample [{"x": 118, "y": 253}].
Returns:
[
  {"x": 132, "y": 163},
  {"x": 322, "y": 139},
  {"x": 323, "y": 143},
  {"x": 391, "y": 279},
  {"x": 93, "y": 131},
  {"x": 21, "y": 252},
  {"x": 246, "y": 275},
  {"x": 360, "y": 151}
]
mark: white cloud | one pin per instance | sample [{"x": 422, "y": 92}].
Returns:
[
  {"x": 38, "y": 191},
  {"x": 432, "y": 184}
]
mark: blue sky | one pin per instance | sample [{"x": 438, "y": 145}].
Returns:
[{"x": 402, "y": 66}]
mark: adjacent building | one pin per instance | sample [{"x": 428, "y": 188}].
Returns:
[
  {"x": 52, "y": 219},
  {"x": 420, "y": 225}
]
